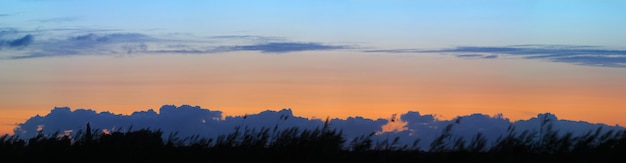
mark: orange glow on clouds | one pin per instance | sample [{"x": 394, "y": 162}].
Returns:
[{"x": 314, "y": 84}]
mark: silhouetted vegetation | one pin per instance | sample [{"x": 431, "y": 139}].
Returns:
[{"x": 313, "y": 145}]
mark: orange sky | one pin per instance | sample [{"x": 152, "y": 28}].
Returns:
[{"x": 313, "y": 84}]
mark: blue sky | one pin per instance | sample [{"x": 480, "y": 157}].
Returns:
[{"x": 385, "y": 24}]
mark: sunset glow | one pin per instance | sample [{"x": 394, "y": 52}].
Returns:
[
  {"x": 328, "y": 59},
  {"x": 319, "y": 84}
]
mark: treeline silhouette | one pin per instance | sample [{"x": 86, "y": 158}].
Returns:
[{"x": 313, "y": 145}]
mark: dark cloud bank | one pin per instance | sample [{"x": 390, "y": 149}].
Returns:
[{"x": 193, "y": 120}]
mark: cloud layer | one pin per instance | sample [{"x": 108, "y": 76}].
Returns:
[
  {"x": 188, "y": 120},
  {"x": 19, "y": 44},
  {"x": 15, "y": 44},
  {"x": 579, "y": 55}
]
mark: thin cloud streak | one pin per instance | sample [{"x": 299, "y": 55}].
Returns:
[
  {"x": 573, "y": 54},
  {"x": 248, "y": 38},
  {"x": 57, "y": 20},
  {"x": 284, "y": 47},
  {"x": 15, "y": 44},
  {"x": 109, "y": 42},
  {"x": 479, "y": 56}
]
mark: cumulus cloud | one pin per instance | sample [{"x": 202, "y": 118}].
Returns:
[
  {"x": 574, "y": 54},
  {"x": 188, "y": 120},
  {"x": 358, "y": 126}
]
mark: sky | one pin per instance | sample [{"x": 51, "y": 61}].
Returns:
[{"x": 337, "y": 58}]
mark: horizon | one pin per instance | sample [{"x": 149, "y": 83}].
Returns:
[
  {"x": 391, "y": 115},
  {"x": 186, "y": 121},
  {"x": 334, "y": 59}
]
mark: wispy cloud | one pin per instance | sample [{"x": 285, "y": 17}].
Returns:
[
  {"x": 19, "y": 42},
  {"x": 249, "y": 38},
  {"x": 10, "y": 38},
  {"x": 272, "y": 47},
  {"x": 283, "y": 47},
  {"x": 115, "y": 37},
  {"x": 482, "y": 56},
  {"x": 574, "y": 54},
  {"x": 395, "y": 51},
  {"x": 80, "y": 41},
  {"x": 87, "y": 44},
  {"x": 57, "y": 20}
]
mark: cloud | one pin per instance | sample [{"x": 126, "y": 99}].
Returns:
[
  {"x": 258, "y": 39},
  {"x": 573, "y": 54},
  {"x": 580, "y": 55},
  {"x": 188, "y": 120},
  {"x": 272, "y": 47},
  {"x": 19, "y": 42},
  {"x": 85, "y": 44},
  {"x": 11, "y": 38},
  {"x": 358, "y": 126},
  {"x": 395, "y": 51},
  {"x": 477, "y": 56},
  {"x": 71, "y": 31},
  {"x": 283, "y": 47},
  {"x": 114, "y": 37},
  {"x": 79, "y": 41},
  {"x": 57, "y": 20}
]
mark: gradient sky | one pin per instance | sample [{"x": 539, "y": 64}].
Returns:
[{"x": 321, "y": 58}]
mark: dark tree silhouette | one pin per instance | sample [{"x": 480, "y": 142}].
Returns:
[{"x": 322, "y": 144}]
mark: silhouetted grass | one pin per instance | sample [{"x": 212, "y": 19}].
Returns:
[{"x": 321, "y": 144}]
